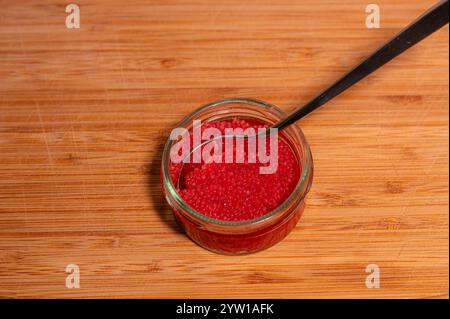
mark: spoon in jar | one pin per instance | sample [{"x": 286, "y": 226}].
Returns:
[{"x": 429, "y": 22}]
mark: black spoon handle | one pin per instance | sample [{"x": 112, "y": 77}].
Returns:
[{"x": 426, "y": 24}]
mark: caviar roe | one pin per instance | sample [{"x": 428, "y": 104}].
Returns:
[
  {"x": 237, "y": 191},
  {"x": 250, "y": 211}
]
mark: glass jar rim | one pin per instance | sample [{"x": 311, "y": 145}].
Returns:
[{"x": 306, "y": 169}]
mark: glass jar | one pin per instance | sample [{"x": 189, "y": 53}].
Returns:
[{"x": 247, "y": 236}]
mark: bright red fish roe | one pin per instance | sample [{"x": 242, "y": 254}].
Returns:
[{"x": 237, "y": 191}]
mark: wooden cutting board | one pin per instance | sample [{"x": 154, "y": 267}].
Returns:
[{"x": 84, "y": 114}]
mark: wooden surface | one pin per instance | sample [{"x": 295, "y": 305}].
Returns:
[{"x": 84, "y": 114}]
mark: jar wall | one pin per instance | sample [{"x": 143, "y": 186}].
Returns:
[
  {"x": 255, "y": 235},
  {"x": 232, "y": 244}
]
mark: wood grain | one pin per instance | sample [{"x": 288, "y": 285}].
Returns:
[{"x": 84, "y": 114}]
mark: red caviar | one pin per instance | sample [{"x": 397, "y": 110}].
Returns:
[
  {"x": 232, "y": 208},
  {"x": 237, "y": 191}
]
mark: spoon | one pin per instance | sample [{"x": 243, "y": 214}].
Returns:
[{"x": 419, "y": 29}]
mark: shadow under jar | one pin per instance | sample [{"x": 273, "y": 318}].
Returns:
[{"x": 244, "y": 236}]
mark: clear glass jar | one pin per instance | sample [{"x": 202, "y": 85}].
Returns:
[{"x": 248, "y": 236}]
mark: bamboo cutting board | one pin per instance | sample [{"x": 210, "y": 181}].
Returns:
[{"x": 84, "y": 114}]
